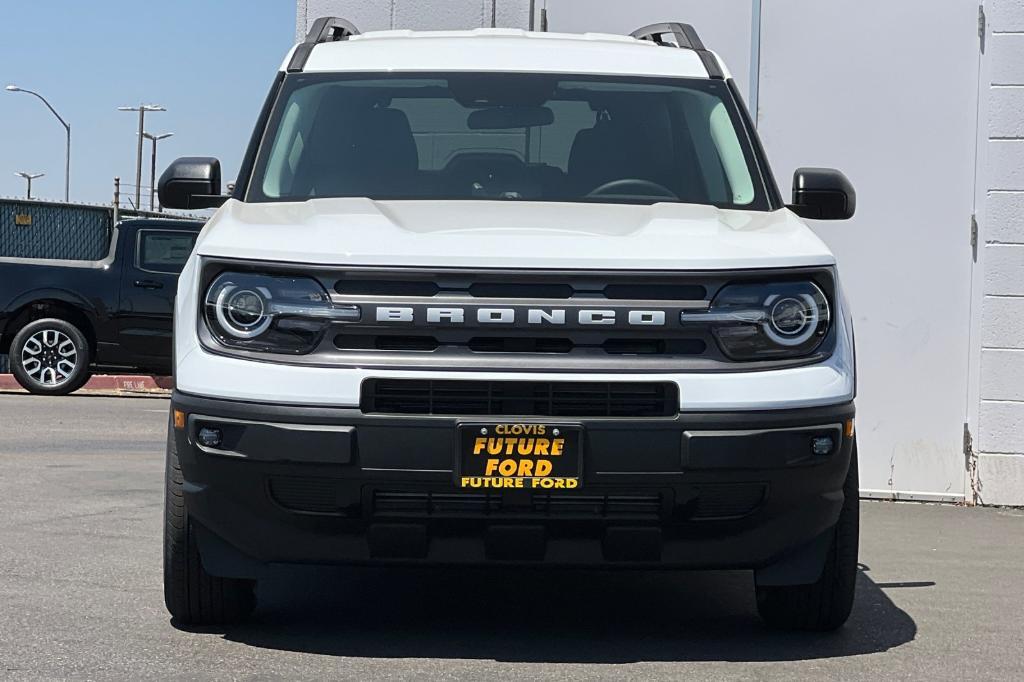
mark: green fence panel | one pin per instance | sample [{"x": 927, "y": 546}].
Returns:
[{"x": 39, "y": 229}]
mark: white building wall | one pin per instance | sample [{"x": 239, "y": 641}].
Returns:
[
  {"x": 999, "y": 443},
  {"x": 376, "y": 15},
  {"x": 724, "y": 25},
  {"x": 902, "y": 124}
]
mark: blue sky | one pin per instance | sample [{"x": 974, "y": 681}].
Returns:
[{"x": 210, "y": 63}]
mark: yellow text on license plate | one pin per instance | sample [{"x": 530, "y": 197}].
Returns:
[{"x": 518, "y": 456}]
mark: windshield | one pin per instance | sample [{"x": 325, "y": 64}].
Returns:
[{"x": 500, "y": 136}]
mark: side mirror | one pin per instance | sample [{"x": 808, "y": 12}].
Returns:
[
  {"x": 822, "y": 194},
  {"x": 191, "y": 182}
]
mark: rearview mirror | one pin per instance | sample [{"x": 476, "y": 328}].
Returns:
[
  {"x": 191, "y": 182},
  {"x": 822, "y": 194},
  {"x": 505, "y": 118}
]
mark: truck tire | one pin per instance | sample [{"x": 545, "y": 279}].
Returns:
[
  {"x": 50, "y": 357},
  {"x": 193, "y": 596},
  {"x": 826, "y": 604}
]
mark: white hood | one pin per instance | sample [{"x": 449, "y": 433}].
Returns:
[{"x": 496, "y": 234}]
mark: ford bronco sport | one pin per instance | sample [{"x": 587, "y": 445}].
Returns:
[{"x": 500, "y": 297}]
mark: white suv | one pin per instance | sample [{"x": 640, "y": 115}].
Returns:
[{"x": 506, "y": 297}]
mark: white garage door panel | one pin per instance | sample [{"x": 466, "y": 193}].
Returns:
[
  {"x": 886, "y": 91},
  {"x": 724, "y": 25}
]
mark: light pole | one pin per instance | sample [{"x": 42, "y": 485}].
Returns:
[
  {"x": 29, "y": 177},
  {"x": 152, "y": 164},
  {"x": 142, "y": 109},
  {"x": 67, "y": 129}
]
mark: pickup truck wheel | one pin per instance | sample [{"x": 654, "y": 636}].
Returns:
[
  {"x": 50, "y": 357},
  {"x": 193, "y": 596},
  {"x": 826, "y": 604}
]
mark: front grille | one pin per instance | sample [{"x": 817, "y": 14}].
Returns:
[
  {"x": 430, "y": 318},
  {"x": 425, "y": 504},
  {"x": 500, "y": 288},
  {"x": 520, "y": 398},
  {"x": 386, "y": 287},
  {"x": 582, "y": 322},
  {"x": 392, "y": 342},
  {"x": 519, "y": 344}
]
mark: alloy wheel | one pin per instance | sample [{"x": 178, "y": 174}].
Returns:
[{"x": 49, "y": 357}]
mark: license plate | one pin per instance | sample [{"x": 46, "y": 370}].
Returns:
[{"x": 528, "y": 456}]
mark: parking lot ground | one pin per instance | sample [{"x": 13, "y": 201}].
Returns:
[{"x": 940, "y": 595}]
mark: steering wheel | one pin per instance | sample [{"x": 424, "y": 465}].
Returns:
[{"x": 624, "y": 185}]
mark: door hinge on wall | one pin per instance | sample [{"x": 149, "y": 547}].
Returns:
[
  {"x": 981, "y": 27},
  {"x": 974, "y": 236}
]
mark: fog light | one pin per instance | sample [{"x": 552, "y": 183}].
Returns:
[
  {"x": 210, "y": 437},
  {"x": 822, "y": 445}
]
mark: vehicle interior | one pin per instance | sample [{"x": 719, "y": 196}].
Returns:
[{"x": 514, "y": 137}]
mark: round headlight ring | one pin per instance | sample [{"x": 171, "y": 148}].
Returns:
[
  {"x": 788, "y": 316},
  {"x": 245, "y": 308},
  {"x": 783, "y": 310},
  {"x": 242, "y": 313}
]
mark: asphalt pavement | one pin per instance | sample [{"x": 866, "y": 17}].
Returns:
[{"x": 940, "y": 594}]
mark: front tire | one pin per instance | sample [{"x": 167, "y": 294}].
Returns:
[
  {"x": 824, "y": 605},
  {"x": 193, "y": 596},
  {"x": 50, "y": 357}
]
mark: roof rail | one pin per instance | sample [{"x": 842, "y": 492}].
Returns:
[
  {"x": 323, "y": 30},
  {"x": 686, "y": 38}
]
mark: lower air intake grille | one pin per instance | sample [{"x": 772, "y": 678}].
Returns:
[
  {"x": 521, "y": 398},
  {"x": 309, "y": 495},
  {"x": 405, "y": 504},
  {"x": 616, "y": 506}
]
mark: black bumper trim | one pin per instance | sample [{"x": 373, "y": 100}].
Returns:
[
  {"x": 693, "y": 491},
  {"x": 273, "y": 441}
]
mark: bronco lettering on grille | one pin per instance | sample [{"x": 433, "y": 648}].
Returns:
[{"x": 520, "y": 316}]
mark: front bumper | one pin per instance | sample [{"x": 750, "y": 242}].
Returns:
[{"x": 334, "y": 485}]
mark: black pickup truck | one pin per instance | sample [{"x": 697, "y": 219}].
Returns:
[{"x": 62, "y": 319}]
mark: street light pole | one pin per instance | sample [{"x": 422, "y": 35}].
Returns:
[
  {"x": 67, "y": 130},
  {"x": 29, "y": 177},
  {"x": 142, "y": 109},
  {"x": 152, "y": 165}
]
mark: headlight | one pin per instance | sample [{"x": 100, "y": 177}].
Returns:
[
  {"x": 276, "y": 314},
  {"x": 762, "y": 321}
]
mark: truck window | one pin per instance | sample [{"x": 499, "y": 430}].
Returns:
[
  {"x": 164, "y": 250},
  {"x": 531, "y": 137}
]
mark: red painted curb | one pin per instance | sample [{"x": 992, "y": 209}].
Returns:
[{"x": 107, "y": 382}]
